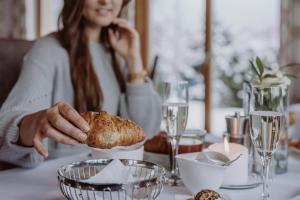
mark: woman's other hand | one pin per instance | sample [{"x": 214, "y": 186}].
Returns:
[
  {"x": 126, "y": 41},
  {"x": 61, "y": 123}
]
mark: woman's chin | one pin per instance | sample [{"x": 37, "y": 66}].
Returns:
[{"x": 103, "y": 22}]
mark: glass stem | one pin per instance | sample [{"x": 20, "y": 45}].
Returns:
[
  {"x": 174, "y": 163},
  {"x": 265, "y": 177}
]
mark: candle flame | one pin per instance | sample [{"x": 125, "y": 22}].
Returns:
[{"x": 226, "y": 145}]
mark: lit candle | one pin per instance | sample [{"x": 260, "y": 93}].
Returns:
[{"x": 237, "y": 172}]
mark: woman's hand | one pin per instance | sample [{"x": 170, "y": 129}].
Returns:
[
  {"x": 61, "y": 123},
  {"x": 125, "y": 40}
]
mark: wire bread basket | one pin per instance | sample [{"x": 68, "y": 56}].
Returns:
[{"x": 148, "y": 184}]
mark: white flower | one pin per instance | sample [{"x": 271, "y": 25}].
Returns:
[{"x": 272, "y": 77}]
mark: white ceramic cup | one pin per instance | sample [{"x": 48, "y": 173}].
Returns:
[{"x": 197, "y": 176}]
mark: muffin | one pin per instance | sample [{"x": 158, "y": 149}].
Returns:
[{"x": 208, "y": 195}]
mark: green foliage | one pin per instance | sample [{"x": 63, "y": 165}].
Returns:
[{"x": 258, "y": 67}]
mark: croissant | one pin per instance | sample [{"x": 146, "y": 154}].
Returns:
[{"x": 108, "y": 131}]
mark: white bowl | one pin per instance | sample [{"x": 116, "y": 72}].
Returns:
[
  {"x": 134, "y": 154},
  {"x": 199, "y": 175}
]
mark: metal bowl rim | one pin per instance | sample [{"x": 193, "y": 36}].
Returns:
[{"x": 87, "y": 185}]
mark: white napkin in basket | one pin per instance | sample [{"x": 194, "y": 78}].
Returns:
[{"x": 114, "y": 173}]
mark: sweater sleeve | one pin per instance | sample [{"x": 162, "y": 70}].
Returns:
[
  {"x": 142, "y": 104},
  {"x": 31, "y": 93}
]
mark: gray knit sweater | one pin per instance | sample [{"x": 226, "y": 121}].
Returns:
[{"x": 45, "y": 80}]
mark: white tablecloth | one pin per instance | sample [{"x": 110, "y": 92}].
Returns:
[{"x": 41, "y": 183}]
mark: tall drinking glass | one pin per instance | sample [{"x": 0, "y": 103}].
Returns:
[
  {"x": 267, "y": 121},
  {"x": 175, "y": 114}
]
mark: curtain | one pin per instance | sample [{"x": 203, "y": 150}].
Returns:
[
  {"x": 12, "y": 19},
  {"x": 290, "y": 43}
]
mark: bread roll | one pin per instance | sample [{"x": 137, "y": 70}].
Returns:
[
  {"x": 108, "y": 131},
  {"x": 158, "y": 144}
]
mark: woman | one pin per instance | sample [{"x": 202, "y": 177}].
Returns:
[{"x": 75, "y": 70}]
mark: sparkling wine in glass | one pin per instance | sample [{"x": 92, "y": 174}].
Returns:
[
  {"x": 175, "y": 115},
  {"x": 265, "y": 132}
]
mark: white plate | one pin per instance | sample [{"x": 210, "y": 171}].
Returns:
[
  {"x": 135, "y": 154},
  {"x": 225, "y": 197},
  {"x": 294, "y": 149},
  {"x": 253, "y": 182}
]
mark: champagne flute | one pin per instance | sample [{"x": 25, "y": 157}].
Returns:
[
  {"x": 267, "y": 120},
  {"x": 175, "y": 114}
]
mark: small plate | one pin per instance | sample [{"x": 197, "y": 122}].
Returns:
[
  {"x": 294, "y": 149},
  {"x": 253, "y": 182},
  {"x": 225, "y": 196}
]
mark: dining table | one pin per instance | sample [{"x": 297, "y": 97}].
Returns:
[{"x": 41, "y": 183}]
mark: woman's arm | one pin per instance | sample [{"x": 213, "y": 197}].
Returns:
[
  {"x": 141, "y": 103},
  {"x": 31, "y": 93},
  {"x": 28, "y": 114}
]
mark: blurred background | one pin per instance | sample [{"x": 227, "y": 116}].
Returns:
[{"x": 207, "y": 42}]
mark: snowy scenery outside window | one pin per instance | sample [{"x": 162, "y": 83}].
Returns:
[{"x": 241, "y": 31}]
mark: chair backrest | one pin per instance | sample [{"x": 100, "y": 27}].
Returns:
[
  {"x": 11, "y": 58},
  {"x": 12, "y": 52}
]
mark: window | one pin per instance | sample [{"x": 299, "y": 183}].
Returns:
[
  {"x": 177, "y": 37},
  {"x": 239, "y": 37}
]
